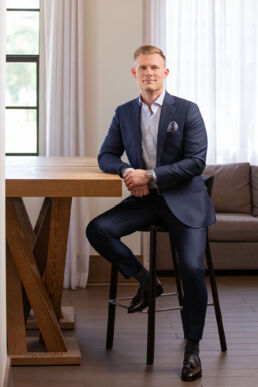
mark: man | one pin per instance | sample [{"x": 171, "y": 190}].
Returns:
[{"x": 165, "y": 140}]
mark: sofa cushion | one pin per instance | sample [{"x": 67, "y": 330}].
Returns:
[
  {"x": 254, "y": 187},
  {"x": 234, "y": 227},
  {"x": 231, "y": 189}
]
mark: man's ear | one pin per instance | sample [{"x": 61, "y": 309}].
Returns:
[
  {"x": 133, "y": 71},
  {"x": 166, "y": 72}
]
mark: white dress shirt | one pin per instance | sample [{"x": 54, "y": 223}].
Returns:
[
  {"x": 149, "y": 130},
  {"x": 149, "y": 127}
]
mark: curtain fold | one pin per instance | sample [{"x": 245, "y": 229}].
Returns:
[
  {"x": 212, "y": 52},
  {"x": 64, "y": 64},
  {"x": 154, "y": 23}
]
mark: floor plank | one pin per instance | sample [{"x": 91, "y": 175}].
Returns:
[{"x": 125, "y": 364}]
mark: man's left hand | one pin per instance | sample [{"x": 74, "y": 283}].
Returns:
[
  {"x": 135, "y": 178},
  {"x": 140, "y": 191}
]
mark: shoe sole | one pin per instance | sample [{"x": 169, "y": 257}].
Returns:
[{"x": 193, "y": 378}]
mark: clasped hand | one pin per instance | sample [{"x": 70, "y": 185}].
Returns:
[{"x": 137, "y": 182}]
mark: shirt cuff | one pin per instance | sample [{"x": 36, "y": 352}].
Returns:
[{"x": 126, "y": 169}]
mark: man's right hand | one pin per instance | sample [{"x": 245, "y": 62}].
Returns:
[{"x": 140, "y": 191}]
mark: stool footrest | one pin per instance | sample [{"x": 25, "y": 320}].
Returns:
[
  {"x": 164, "y": 309},
  {"x": 122, "y": 298},
  {"x": 129, "y": 298},
  {"x": 169, "y": 294},
  {"x": 114, "y": 302}
]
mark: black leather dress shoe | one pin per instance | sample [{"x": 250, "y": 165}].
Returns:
[
  {"x": 192, "y": 369},
  {"x": 141, "y": 299}
]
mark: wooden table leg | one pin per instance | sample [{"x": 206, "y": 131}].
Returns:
[
  {"x": 59, "y": 227},
  {"x": 42, "y": 229},
  {"x": 16, "y": 334},
  {"x": 42, "y": 214},
  {"x": 22, "y": 267},
  {"x": 37, "y": 238},
  {"x": 25, "y": 223},
  {"x": 40, "y": 251},
  {"x": 31, "y": 279}
]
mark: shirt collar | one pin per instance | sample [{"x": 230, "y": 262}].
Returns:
[{"x": 158, "y": 101}]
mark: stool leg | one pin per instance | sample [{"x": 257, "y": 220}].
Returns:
[
  {"x": 178, "y": 281},
  {"x": 152, "y": 298},
  {"x": 215, "y": 298},
  {"x": 111, "y": 308}
]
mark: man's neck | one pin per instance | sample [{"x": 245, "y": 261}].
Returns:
[{"x": 149, "y": 97}]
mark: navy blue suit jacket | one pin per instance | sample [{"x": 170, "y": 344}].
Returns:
[{"x": 181, "y": 155}]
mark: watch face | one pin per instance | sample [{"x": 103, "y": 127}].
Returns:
[{"x": 149, "y": 174}]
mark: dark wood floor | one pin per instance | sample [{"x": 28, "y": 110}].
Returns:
[{"x": 125, "y": 365}]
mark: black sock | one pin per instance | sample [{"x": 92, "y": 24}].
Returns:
[
  {"x": 192, "y": 347},
  {"x": 143, "y": 278}
]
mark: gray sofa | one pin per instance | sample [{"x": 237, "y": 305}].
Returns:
[{"x": 234, "y": 237}]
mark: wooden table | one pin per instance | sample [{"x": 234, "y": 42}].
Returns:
[{"x": 36, "y": 257}]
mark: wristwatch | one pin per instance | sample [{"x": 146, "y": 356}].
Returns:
[{"x": 151, "y": 174}]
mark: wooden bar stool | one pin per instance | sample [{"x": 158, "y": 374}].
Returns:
[{"x": 114, "y": 301}]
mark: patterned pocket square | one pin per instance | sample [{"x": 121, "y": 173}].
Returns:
[{"x": 172, "y": 127}]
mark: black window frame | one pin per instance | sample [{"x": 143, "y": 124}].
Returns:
[{"x": 25, "y": 58}]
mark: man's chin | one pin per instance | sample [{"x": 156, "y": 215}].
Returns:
[{"x": 149, "y": 88}]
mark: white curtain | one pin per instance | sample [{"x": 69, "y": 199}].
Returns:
[
  {"x": 154, "y": 23},
  {"x": 212, "y": 52},
  {"x": 63, "y": 67}
]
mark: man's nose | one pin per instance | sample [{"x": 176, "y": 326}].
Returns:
[{"x": 149, "y": 71}]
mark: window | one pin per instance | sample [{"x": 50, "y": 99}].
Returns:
[{"x": 22, "y": 77}]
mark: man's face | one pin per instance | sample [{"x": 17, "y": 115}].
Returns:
[{"x": 150, "y": 72}]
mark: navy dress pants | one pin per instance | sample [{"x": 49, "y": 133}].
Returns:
[{"x": 104, "y": 233}]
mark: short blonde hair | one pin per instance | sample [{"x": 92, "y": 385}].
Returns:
[{"x": 148, "y": 50}]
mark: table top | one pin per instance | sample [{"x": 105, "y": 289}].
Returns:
[{"x": 39, "y": 176}]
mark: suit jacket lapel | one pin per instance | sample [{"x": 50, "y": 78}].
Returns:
[
  {"x": 166, "y": 116},
  {"x": 136, "y": 132}
]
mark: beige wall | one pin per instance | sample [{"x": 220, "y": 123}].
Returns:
[
  {"x": 114, "y": 30},
  {"x": 3, "y": 356}
]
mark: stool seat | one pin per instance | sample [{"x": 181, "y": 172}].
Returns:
[
  {"x": 158, "y": 228},
  {"x": 114, "y": 301}
]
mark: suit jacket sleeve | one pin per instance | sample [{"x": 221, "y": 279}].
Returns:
[
  {"x": 110, "y": 153},
  {"x": 193, "y": 159}
]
